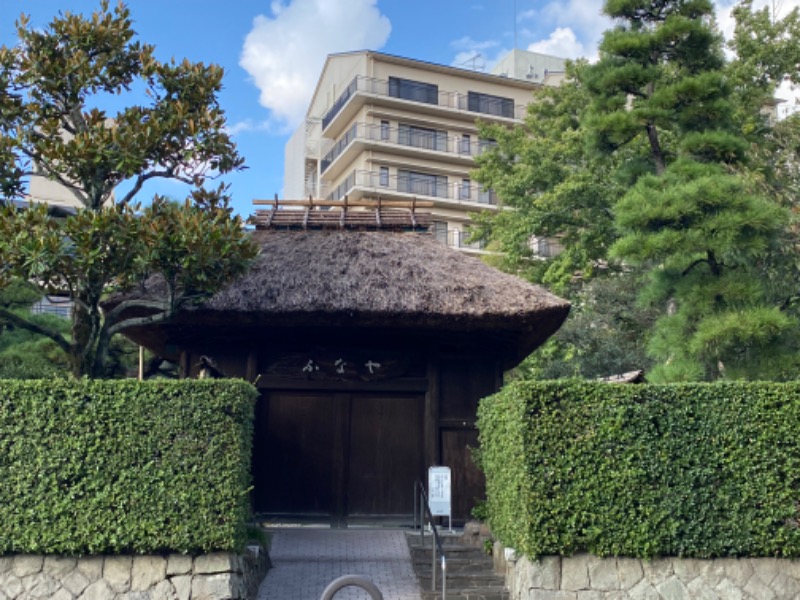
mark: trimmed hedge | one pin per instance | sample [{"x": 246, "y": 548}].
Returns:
[
  {"x": 700, "y": 470},
  {"x": 107, "y": 467}
]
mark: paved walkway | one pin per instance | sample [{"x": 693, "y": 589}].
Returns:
[{"x": 306, "y": 560}]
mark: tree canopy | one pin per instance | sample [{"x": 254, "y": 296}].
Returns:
[
  {"x": 58, "y": 89},
  {"x": 691, "y": 184}
]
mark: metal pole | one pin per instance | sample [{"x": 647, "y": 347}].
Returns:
[
  {"x": 433, "y": 566},
  {"x": 414, "y": 525},
  {"x": 444, "y": 578},
  {"x": 421, "y": 522}
]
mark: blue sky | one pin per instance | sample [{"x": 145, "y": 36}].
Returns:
[{"x": 273, "y": 51}]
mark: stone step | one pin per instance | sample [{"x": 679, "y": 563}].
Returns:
[{"x": 470, "y": 571}]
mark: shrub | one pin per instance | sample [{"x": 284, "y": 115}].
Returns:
[
  {"x": 103, "y": 467},
  {"x": 699, "y": 470}
]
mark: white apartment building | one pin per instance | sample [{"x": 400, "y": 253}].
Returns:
[{"x": 388, "y": 127}]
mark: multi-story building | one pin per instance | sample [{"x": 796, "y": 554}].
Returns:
[{"x": 388, "y": 127}]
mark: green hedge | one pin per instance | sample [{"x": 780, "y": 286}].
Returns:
[
  {"x": 98, "y": 467},
  {"x": 700, "y": 470}
]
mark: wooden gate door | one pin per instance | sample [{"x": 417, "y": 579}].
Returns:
[
  {"x": 336, "y": 455},
  {"x": 293, "y": 454},
  {"x": 386, "y": 454}
]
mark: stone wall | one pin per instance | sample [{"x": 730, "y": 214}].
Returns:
[
  {"x": 587, "y": 577},
  {"x": 217, "y": 576}
]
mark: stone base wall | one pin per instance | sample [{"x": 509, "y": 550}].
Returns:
[
  {"x": 217, "y": 576},
  {"x": 587, "y": 577}
]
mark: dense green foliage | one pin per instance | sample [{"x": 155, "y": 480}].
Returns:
[
  {"x": 601, "y": 337},
  {"x": 693, "y": 222},
  {"x": 557, "y": 191},
  {"x": 57, "y": 85},
  {"x": 23, "y": 354},
  {"x": 121, "y": 466},
  {"x": 658, "y": 160},
  {"x": 700, "y": 470}
]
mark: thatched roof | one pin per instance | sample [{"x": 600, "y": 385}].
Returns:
[{"x": 329, "y": 278}]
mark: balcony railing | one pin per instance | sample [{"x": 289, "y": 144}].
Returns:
[
  {"x": 414, "y": 138},
  {"x": 457, "y": 100},
  {"x": 458, "y": 191}
]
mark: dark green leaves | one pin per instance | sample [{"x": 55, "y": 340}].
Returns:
[
  {"x": 682, "y": 470},
  {"x": 124, "y": 467}
]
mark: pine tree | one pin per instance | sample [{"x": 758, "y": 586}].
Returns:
[{"x": 690, "y": 217}]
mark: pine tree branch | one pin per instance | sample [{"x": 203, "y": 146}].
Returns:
[{"x": 22, "y": 323}]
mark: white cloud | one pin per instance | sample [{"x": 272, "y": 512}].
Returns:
[
  {"x": 583, "y": 17},
  {"x": 249, "y": 125},
  {"x": 284, "y": 53},
  {"x": 466, "y": 43},
  {"x": 577, "y": 26},
  {"x": 562, "y": 43}
]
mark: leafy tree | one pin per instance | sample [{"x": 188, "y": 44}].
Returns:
[
  {"x": 767, "y": 53},
  {"x": 603, "y": 336},
  {"x": 56, "y": 87},
  {"x": 694, "y": 223},
  {"x": 555, "y": 188}
]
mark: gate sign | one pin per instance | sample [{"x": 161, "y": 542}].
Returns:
[{"x": 439, "y": 491}]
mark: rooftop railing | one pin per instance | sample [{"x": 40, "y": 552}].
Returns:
[
  {"x": 411, "y": 137},
  {"x": 457, "y": 100}
]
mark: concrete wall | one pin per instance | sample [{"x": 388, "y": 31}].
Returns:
[
  {"x": 218, "y": 576},
  {"x": 587, "y": 577}
]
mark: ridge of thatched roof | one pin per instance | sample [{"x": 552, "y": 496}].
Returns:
[{"x": 391, "y": 215}]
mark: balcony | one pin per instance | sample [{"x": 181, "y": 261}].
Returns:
[
  {"x": 362, "y": 183},
  {"x": 453, "y": 147},
  {"x": 439, "y": 101}
]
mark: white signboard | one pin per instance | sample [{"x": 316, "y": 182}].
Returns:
[{"x": 439, "y": 491}]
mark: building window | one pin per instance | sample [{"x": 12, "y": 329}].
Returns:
[
  {"x": 487, "y": 196},
  {"x": 424, "y": 184},
  {"x": 384, "y": 177},
  {"x": 490, "y": 105},
  {"x": 384, "y": 130},
  {"x": 421, "y": 137},
  {"x": 440, "y": 231},
  {"x": 463, "y": 193},
  {"x": 417, "y": 91},
  {"x": 465, "y": 147}
]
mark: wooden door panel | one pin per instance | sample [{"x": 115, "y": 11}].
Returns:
[
  {"x": 295, "y": 453},
  {"x": 467, "y": 480},
  {"x": 386, "y": 454}
]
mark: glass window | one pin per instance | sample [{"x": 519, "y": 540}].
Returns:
[
  {"x": 384, "y": 177},
  {"x": 424, "y": 184},
  {"x": 384, "y": 130},
  {"x": 417, "y": 91},
  {"x": 490, "y": 105},
  {"x": 465, "y": 144},
  {"x": 464, "y": 190},
  {"x": 421, "y": 137},
  {"x": 440, "y": 231}
]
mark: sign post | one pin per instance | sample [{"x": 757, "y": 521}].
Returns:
[{"x": 439, "y": 496}]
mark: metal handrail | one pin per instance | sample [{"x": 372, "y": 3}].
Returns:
[
  {"x": 487, "y": 106},
  {"x": 451, "y": 190},
  {"x": 437, "y": 542}
]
